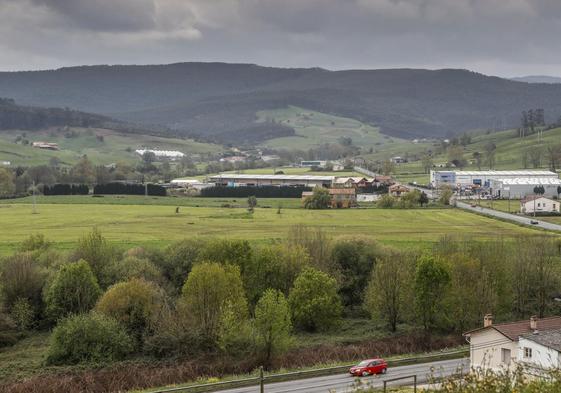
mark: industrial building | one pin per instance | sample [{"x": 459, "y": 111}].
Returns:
[
  {"x": 467, "y": 179},
  {"x": 235, "y": 180},
  {"x": 521, "y": 187}
]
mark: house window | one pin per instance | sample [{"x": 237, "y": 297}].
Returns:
[
  {"x": 527, "y": 353},
  {"x": 554, "y": 207},
  {"x": 505, "y": 355},
  {"x": 538, "y": 204}
]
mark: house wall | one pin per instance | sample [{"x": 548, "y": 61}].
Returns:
[
  {"x": 542, "y": 205},
  {"x": 485, "y": 349},
  {"x": 542, "y": 357}
]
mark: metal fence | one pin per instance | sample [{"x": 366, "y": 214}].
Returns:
[{"x": 262, "y": 379}]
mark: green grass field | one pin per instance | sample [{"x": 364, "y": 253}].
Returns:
[
  {"x": 159, "y": 224},
  {"x": 112, "y": 149},
  {"x": 316, "y": 128}
]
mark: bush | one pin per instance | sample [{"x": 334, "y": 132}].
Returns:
[
  {"x": 320, "y": 199},
  {"x": 314, "y": 301},
  {"x": 34, "y": 243},
  {"x": 74, "y": 290},
  {"x": 136, "y": 304},
  {"x": 21, "y": 278},
  {"x": 23, "y": 314},
  {"x": 386, "y": 201},
  {"x": 88, "y": 338},
  {"x": 94, "y": 249},
  {"x": 226, "y": 251},
  {"x": 258, "y": 192},
  {"x": 133, "y": 267}
]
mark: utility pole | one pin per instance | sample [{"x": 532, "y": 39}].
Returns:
[
  {"x": 146, "y": 190},
  {"x": 34, "y": 211}
]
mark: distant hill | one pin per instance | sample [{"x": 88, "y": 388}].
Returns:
[
  {"x": 537, "y": 79},
  {"x": 20, "y": 117},
  {"x": 219, "y": 101}
]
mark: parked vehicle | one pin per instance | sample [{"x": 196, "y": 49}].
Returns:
[
  {"x": 369, "y": 367},
  {"x": 534, "y": 222}
]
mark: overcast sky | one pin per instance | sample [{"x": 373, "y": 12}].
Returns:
[{"x": 496, "y": 37}]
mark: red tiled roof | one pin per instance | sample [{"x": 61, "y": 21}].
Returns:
[{"x": 513, "y": 330}]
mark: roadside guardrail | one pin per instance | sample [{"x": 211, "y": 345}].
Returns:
[{"x": 296, "y": 375}]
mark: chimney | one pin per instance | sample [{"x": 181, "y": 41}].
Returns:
[
  {"x": 534, "y": 322},
  {"x": 487, "y": 320}
]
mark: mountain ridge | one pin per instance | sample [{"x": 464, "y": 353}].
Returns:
[{"x": 221, "y": 99}]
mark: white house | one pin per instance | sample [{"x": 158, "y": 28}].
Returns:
[
  {"x": 538, "y": 204},
  {"x": 498, "y": 346},
  {"x": 540, "y": 350},
  {"x": 171, "y": 154}
]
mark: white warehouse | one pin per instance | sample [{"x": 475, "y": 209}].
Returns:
[
  {"x": 464, "y": 179},
  {"x": 521, "y": 187}
]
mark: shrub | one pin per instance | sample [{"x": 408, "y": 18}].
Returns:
[
  {"x": 21, "y": 278},
  {"x": 88, "y": 338},
  {"x": 386, "y": 201},
  {"x": 133, "y": 267},
  {"x": 272, "y": 324},
  {"x": 446, "y": 194},
  {"x": 23, "y": 314},
  {"x": 74, "y": 290},
  {"x": 136, "y": 304},
  {"x": 36, "y": 242},
  {"x": 94, "y": 249},
  {"x": 320, "y": 199},
  {"x": 207, "y": 291},
  {"x": 226, "y": 251},
  {"x": 314, "y": 301}
]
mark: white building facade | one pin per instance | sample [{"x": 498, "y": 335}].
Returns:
[
  {"x": 540, "y": 350},
  {"x": 539, "y": 204},
  {"x": 521, "y": 187},
  {"x": 464, "y": 179}
]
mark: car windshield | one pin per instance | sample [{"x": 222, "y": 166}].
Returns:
[{"x": 364, "y": 363}]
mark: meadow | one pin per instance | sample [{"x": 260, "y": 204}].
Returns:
[{"x": 159, "y": 224}]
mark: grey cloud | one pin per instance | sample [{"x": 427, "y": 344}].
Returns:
[{"x": 501, "y": 37}]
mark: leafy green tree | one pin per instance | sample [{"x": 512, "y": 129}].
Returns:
[
  {"x": 235, "y": 333},
  {"x": 7, "y": 182},
  {"x": 431, "y": 282},
  {"x": 227, "y": 251},
  {"x": 410, "y": 199},
  {"x": 446, "y": 194},
  {"x": 272, "y": 324},
  {"x": 83, "y": 171},
  {"x": 314, "y": 301},
  {"x": 427, "y": 162},
  {"x": 22, "y": 314},
  {"x": 88, "y": 338},
  {"x": 179, "y": 258},
  {"x": 386, "y": 201},
  {"x": 320, "y": 199},
  {"x": 34, "y": 242},
  {"x": 251, "y": 203},
  {"x": 208, "y": 289},
  {"x": 389, "y": 292},
  {"x": 135, "y": 304},
  {"x": 74, "y": 290},
  {"x": 94, "y": 249},
  {"x": 423, "y": 199},
  {"x": 354, "y": 259},
  {"x": 133, "y": 267},
  {"x": 275, "y": 266}
]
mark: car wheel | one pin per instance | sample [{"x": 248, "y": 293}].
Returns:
[
  {"x": 365, "y": 373},
  {"x": 384, "y": 371}
]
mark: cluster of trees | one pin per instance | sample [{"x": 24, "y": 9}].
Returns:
[
  {"x": 409, "y": 200},
  {"x": 540, "y": 154},
  {"x": 201, "y": 296},
  {"x": 530, "y": 121}
]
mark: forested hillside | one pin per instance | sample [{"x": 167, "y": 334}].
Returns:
[{"x": 219, "y": 100}]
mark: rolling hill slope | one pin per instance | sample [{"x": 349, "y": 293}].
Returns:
[{"x": 220, "y": 101}]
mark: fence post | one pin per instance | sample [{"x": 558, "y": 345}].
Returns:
[
  {"x": 415, "y": 383},
  {"x": 385, "y": 386},
  {"x": 261, "y": 380}
]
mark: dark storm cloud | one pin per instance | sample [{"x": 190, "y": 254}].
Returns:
[{"x": 504, "y": 37}]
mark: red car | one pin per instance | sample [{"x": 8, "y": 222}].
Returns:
[{"x": 369, "y": 367}]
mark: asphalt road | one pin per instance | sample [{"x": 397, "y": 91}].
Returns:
[
  {"x": 345, "y": 382},
  {"x": 510, "y": 217}
]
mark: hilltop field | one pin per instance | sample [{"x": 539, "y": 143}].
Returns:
[
  {"x": 131, "y": 221},
  {"x": 113, "y": 147}
]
